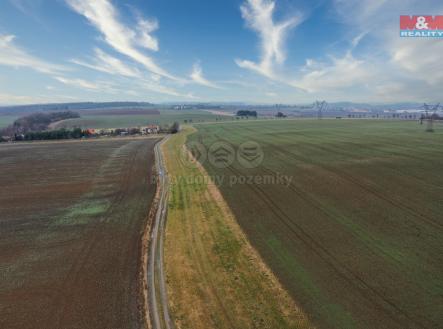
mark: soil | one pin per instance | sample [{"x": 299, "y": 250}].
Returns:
[{"x": 72, "y": 216}]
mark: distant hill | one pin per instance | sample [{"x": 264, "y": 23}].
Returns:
[
  {"x": 132, "y": 107},
  {"x": 120, "y": 111},
  {"x": 37, "y": 122},
  {"x": 394, "y": 106}
]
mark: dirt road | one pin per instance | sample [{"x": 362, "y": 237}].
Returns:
[{"x": 158, "y": 301}]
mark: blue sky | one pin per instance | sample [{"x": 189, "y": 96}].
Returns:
[{"x": 267, "y": 51}]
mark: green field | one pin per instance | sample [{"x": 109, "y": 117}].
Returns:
[
  {"x": 123, "y": 121},
  {"x": 214, "y": 278},
  {"x": 6, "y": 120},
  {"x": 356, "y": 236}
]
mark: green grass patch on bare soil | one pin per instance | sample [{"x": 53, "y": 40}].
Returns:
[
  {"x": 356, "y": 236},
  {"x": 83, "y": 212}
]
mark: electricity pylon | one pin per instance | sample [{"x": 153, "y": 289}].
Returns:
[
  {"x": 320, "y": 106},
  {"x": 430, "y": 113}
]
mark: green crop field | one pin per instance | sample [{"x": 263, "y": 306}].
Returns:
[
  {"x": 354, "y": 228},
  {"x": 133, "y": 120},
  {"x": 214, "y": 278},
  {"x": 6, "y": 120}
]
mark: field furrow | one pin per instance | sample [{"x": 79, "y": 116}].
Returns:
[
  {"x": 79, "y": 244},
  {"x": 355, "y": 235}
]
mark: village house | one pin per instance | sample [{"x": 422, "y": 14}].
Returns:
[{"x": 151, "y": 129}]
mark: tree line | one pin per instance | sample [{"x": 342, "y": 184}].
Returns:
[
  {"x": 246, "y": 113},
  {"x": 53, "y": 135},
  {"x": 78, "y": 133},
  {"x": 37, "y": 122}
]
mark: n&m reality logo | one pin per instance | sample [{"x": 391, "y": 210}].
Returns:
[{"x": 424, "y": 26}]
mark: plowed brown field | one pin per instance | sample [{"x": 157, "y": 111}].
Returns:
[{"x": 71, "y": 217}]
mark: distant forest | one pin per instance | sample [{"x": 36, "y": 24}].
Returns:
[
  {"x": 245, "y": 113},
  {"x": 37, "y": 122},
  {"x": 53, "y": 135}
]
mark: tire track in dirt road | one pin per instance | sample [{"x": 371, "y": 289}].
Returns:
[{"x": 157, "y": 294}]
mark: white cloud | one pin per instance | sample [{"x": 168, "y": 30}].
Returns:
[
  {"x": 340, "y": 74},
  {"x": 17, "y": 99},
  {"x": 12, "y": 55},
  {"x": 134, "y": 87},
  {"x": 259, "y": 16},
  {"x": 9, "y": 99},
  {"x": 156, "y": 77},
  {"x": 125, "y": 40},
  {"x": 414, "y": 65},
  {"x": 160, "y": 89},
  {"x": 109, "y": 64},
  {"x": 80, "y": 83},
  {"x": 197, "y": 77},
  {"x": 421, "y": 58},
  {"x": 24, "y": 5},
  {"x": 29, "y": 8},
  {"x": 239, "y": 82},
  {"x": 385, "y": 68},
  {"x": 356, "y": 40},
  {"x": 145, "y": 27},
  {"x": 132, "y": 93},
  {"x": 104, "y": 16}
]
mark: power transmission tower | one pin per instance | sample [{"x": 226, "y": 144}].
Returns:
[
  {"x": 430, "y": 113},
  {"x": 320, "y": 106}
]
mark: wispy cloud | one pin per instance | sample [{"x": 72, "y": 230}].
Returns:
[
  {"x": 106, "y": 63},
  {"x": 29, "y": 8},
  {"x": 160, "y": 89},
  {"x": 104, "y": 16},
  {"x": 259, "y": 16},
  {"x": 13, "y": 55},
  {"x": 197, "y": 77},
  {"x": 340, "y": 73},
  {"x": 145, "y": 27},
  {"x": 391, "y": 69},
  {"x": 6, "y": 99},
  {"x": 25, "y": 6},
  {"x": 240, "y": 82},
  {"x": 408, "y": 68},
  {"x": 80, "y": 83}
]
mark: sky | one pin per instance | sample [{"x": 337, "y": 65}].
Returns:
[{"x": 255, "y": 51}]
